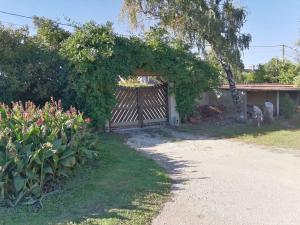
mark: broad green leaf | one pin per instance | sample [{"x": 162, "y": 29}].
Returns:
[
  {"x": 68, "y": 162},
  {"x": 27, "y": 149},
  {"x": 47, "y": 154},
  {"x": 57, "y": 144},
  {"x": 67, "y": 154},
  {"x": 30, "y": 174},
  {"x": 19, "y": 183},
  {"x": 36, "y": 190},
  {"x": 48, "y": 170},
  {"x": 35, "y": 157},
  {"x": 3, "y": 113},
  {"x": 2, "y": 158},
  {"x": 29, "y": 201},
  {"x": 3, "y": 168},
  {"x": 62, "y": 173}
]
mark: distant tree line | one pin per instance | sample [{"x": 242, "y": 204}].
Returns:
[{"x": 273, "y": 71}]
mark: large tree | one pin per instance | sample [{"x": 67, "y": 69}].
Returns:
[{"x": 216, "y": 23}]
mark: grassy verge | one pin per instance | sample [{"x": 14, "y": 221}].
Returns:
[
  {"x": 281, "y": 133},
  {"x": 122, "y": 188}
]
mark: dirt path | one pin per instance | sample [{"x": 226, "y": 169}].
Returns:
[{"x": 221, "y": 182}]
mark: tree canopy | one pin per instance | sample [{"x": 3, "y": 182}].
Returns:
[
  {"x": 273, "y": 71},
  {"x": 216, "y": 22},
  {"x": 276, "y": 71},
  {"x": 200, "y": 22}
]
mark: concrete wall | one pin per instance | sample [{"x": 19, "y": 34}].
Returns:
[
  {"x": 217, "y": 97},
  {"x": 295, "y": 95},
  {"x": 259, "y": 98},
  {"x": 223, "y": 97},
  {"x": 203, "y": 99},
  {"x": 174, "y": 119}
]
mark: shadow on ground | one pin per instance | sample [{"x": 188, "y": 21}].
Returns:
[{"x": 146, "y": 141}]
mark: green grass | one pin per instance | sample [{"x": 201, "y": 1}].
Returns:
[
  {"x": 122, "y": 188},
  {"x": 281, "y": 133}
]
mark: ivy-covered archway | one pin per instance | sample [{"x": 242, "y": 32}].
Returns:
[{"x": 98, "y": 56}]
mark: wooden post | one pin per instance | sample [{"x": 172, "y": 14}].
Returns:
[
  {"x": 140, "y": 106},
  {"x": 108, "y": 126},
  {"x": 277, "y": 103},
  {"x": 245, "y": 105},
  {"x": 167, "y": 101}
]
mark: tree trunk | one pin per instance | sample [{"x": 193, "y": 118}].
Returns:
[{"x": 235, "y": 94}]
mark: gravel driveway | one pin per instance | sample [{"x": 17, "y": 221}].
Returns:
[{"x": 223, "y": 182}]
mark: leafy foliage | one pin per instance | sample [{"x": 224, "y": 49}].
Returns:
[
  {"x": 287, "y": 106},
  {"x": 274, "y": 71},
  {"x": 49, "y": 34},
  {"x": 98, "y": 56},
  {"x": 82, "y": 67},
  {"x": 38, "y": 147},
  {"x": 90, "y": 50},
  {"x": 240, "y": 75},
  {"x": 29, "y": 70},
  {"x": 296, "y": 81},
  {"x": 217, "y": 22}
]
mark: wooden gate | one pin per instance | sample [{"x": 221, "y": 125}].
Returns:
[{"x": 141, "y": 106}]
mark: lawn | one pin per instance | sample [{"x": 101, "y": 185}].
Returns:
[
  {"x": 281, "y": 133},
  {"x": 122, "y": 188}
]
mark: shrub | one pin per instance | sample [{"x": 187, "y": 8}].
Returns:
[
  {"x": 29, "y": 68},
  {"x": 38, "y": 147},
  {"x": 287, "y": 106},
  {"x": 297, "y": 81}
]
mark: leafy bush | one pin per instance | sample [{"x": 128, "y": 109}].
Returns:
[
  {"x": 287, "y": 106},
  {"x": 38, "y": 147},
  {"x": 297, "y": 81},
  {"x": 31, "y": 69}
]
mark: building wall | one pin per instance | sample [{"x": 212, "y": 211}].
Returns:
[
  {"x": 295, "y": 95},
  {"x": 203, "y": 99},
  {"x": 259, "y": 98},
  {"x": 223, "y": 97}
]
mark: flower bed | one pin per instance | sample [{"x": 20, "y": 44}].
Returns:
[{"x": 38, "y": 147}]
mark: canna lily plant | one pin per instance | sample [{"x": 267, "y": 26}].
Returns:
[{"x": 39, "y": 147}]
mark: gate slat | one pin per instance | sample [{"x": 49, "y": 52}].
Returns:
[{"x": 140, "y": 106}]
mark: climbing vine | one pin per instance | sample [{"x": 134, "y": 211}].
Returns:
[{"x": 98, "y": 56}]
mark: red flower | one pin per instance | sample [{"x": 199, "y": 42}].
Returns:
[
  {"x": 88, "y": 120},
  {"x": 40, "y": 122}
]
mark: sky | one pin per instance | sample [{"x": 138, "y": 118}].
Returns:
[{"x": 270, "y": 22}]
